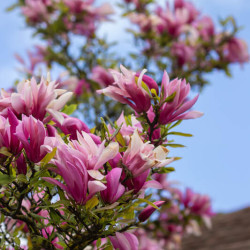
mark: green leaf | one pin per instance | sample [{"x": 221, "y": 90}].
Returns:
[
  {"x": 54, "y": 215},
  {"x": 174, "y": 145},
  {"x": 17, "y": 241},
  {"x": 61, "y": 243},
  {"x": 36, "y": 216},
  {"x": 69, "y": 109},
  {"x": 105, "y": 127},
  {"x": 170, "y": 98},
  {"x": 164, "y": 170},
  {"x": 98, "y": 242},
  {"x": 119, "y": 138},
  {"x": 227, "y": 71},
  {"x": 47, "y": 158},
  {"x": 153, "y": 91},
  {"x": 175, "y": 124},
  {"x": 4, "y": 151},
  {"x": 92, "y": 202},
  {"x": 22, "y": 178},
  {"x": 149, "y": 203},
  {"x": 112, "y": 206},
  {"x": 5, "y": 179},
  {"x": 92, "y": 131},
  {"x": 176, "y": 158},
  {"x": 12, "y": 7},
  {"x": 180, "y": 134}
]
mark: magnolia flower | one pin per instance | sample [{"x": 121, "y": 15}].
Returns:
[
  {"x": 36, "y": 100},
  {"x": 205, "y": 27},
  {"x": 178, "y": 108},
  {"x": 36, "y": 10},
  {"x": 102, "y": 76},
  {"x": 172, "y": 22},
  {"x": 92, "y": 155},
  {"x": 126, "y": 130},
  {"x": 114, "y": 188},
  {"x": 8, "y": 138},
  {"x": 21, "y": 165},
  {"x": 236, "y": 51},
  {"x": 196, "y": 203},
  {"x": 76, "y": 6},
  {"x": 124, "y": 241},
  {"x": 190, "y": 9},
  {"x": 31, "y": 133},
  {"x": 145, "y": 22},
  {"x": 146, "y": 212},
  {"x": 146, "y": 242},
  {"x": 72, "y": 125},
  {"x": 75, "y": 175},
  {"x": 129, "y": 89},
  {"x": 183, "y": 53},
  {"x": 139, "y": 156},
  {"x": 86, "y": 25}
]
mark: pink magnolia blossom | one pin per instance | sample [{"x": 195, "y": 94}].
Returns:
[
  {"x": 80, "y": 87},
  {"x": 150, "y": 82},
  {"x": 128, "y": 89},
  {"x": 146, "y": 212},
  {"x": 31, "y": 133},
  {"x": 184, "y": 13},
  {"x": 183, "y": 53},
  {"x": 126, "y": 130},
  {"x": 178, "y": 108},
  {"x": 104, "y": 11},
  {"x": 36, "y": 99},
  {"x": 36, "y": 10},
  {"x": 77, "y": 6},
  {"x": 193, "y": 13},
  {"x": 205, "y": 27},
  {"x": 197, "y": 203},
  {"x": 172, "y": 22},
  {"x": 93, "y": 155},
  {"x": 88, "y": 16},
  {"x": 102, "y": 76},
  {"x": 124, "y": 241},
  {"x": 21, "y": 165},
  {"x": 146, "y": 242},
  {"x": 74, "y": 173},
  {"x": 72, "y": 125},
  {"x": 137, "y": 183},
  {"x": 114, "y": 188},
  {"x": 8, "y": 138},
  {"x": 162, "y": 179},
  {"x": 236, "y": 51},
  {"x": 139, "y": 156},
  {"x": 145, "y": 22},
  {"x": 86, "y": 27}
]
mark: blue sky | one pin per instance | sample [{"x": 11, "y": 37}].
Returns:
[{"x": 215, "y": 161}]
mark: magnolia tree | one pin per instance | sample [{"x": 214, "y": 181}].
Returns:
[
  {"x": 178, "y": 38},
  {"x": 65, "y": 185}
]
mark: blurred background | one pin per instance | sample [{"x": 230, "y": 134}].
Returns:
[{"x": 215, "y": 161}]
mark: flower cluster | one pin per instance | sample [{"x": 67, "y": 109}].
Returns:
[
  {"x": 182, "y": 213},
  {"x": 179, "y": 38},
  {"x": 56, "y": 166},
  {"x": 187, "y": 38},
  {"x": 81, "y": 18},
  {"x": 66, "y": 185}
]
